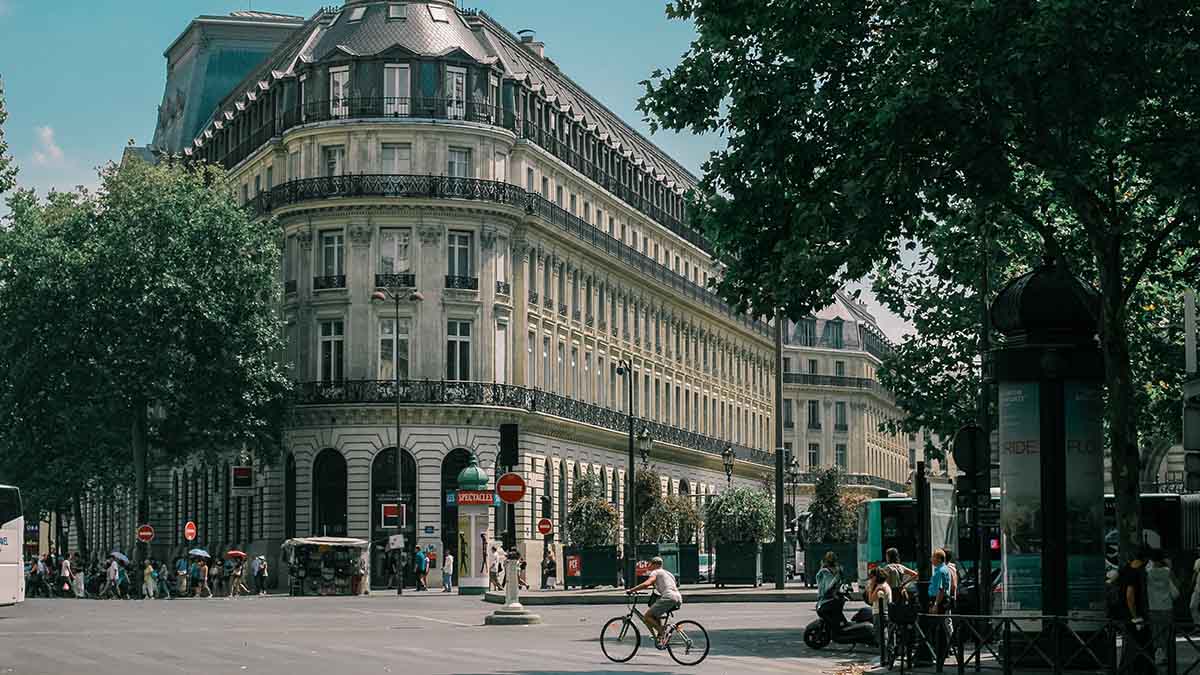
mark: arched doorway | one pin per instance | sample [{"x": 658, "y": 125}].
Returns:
[
  {"x": 452, "y": 465},
  {"x": 562, "y": 495},
  {"x": 289, "y": 496},
  {"x": 383, "y": 491},
  {"x": 328, "y": 494}
]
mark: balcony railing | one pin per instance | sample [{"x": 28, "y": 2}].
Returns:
[
  {"x": 576, "y": 314},
  {"x": 533, "y": 297},
  {"x": 503, "y": 288},
  {"x": 420, "y": 107},
  {"x": 401, "y": 280},
  {"x": 833, "y": 381},
  {"x": 329, "y": 282},
  {"x": 562, "y": 309},
  {"x": 442, "y": 187},
  {"x": 462, "y": 283},
  {"x": 841, "y": 427},
  {"x": 427, "y": 392}
]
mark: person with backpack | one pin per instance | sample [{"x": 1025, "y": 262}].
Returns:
[{"x": 1133, "y": 609}]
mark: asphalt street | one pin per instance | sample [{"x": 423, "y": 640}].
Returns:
[{"x": 427, "y": 633}]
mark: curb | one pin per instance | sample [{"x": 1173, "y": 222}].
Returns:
[{"x": 694, "y": 597}]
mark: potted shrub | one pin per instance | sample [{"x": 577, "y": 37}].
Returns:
[
  {"x": 737, "y": 522},
  {"x": 832, "y": 524},
  {"x": 590, "y": 558}
]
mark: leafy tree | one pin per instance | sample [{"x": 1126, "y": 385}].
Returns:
[
  {"x": 855, "y": 127},
  {"x": 739, "y": 514},
  {"x": 647, "y": 489},
  {"x": 673, "y": 519},
  {"x": 591, "y": 519},
  {"x": 8, "y": 170},
  {"x": 833, "y": 512}
]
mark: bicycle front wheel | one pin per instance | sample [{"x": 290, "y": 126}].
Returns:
[
  {"x": 688, "y": 644},
  {"x": 620, "y": 639}
]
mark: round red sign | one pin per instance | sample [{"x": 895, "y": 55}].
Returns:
[
  {"x": 545, "y": 526},
  {"x": 511, "y": 488},
  {"x": 145, "y": 534},
  {"x": 189, "y": 531}
]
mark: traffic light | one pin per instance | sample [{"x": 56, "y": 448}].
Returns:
[{"x": 973, "y": 455}]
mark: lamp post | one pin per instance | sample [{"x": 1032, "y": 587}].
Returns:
[
  {"x": 625, "y": 369},
  {"x": 793, "y": 475},
  {"x": 397, "y": 294},
  {"x": 645, "y": 442},
  {"x": 727, "y": 458}
]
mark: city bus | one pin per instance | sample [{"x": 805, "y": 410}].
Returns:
[
  {"x": 12, "y": 546},
  {"x": 891, "y": 522}
]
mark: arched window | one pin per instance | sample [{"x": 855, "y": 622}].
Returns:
[
  {"x": 329, "y": 494},
  {"x": 562, "y": 494},
  {"x": 547, "y": 490},
  {"x": 383, "y": 491},
  {"x": 289, "y": 497}
]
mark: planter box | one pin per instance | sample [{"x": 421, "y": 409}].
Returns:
[
  {"x": 738, "y": 563},
  {"x": 589, "y": 566},
  {"x": 668, "y": 552},
  {"x": 689, "y": 564},
  {"x": 769, "y": 552}
]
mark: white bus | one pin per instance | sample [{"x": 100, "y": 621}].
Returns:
[{"x": 12, "y": 546}]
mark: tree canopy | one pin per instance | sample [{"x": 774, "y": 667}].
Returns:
[{"x": 856, "y": 128}]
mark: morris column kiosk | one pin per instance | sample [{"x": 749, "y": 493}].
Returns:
[{"x": 474, "y": 501}]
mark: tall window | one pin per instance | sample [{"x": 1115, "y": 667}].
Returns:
[
  {"x": 294, "y": 165},
  {"x": 459, "y": 163},
  {"x": 333, "y": 351},
  {"x": 394, "y": 251},
  {"x": 839, "y": 368},
  {"x": 839, "y": 455},
  {"x": 787, "y": 365},
  {"x": 545, "y": 188},
  {"x": 787, "y": 413},
  {"x": 393, "y": 349},
  {"x": 562, "y": 372},
  {"x": 814, "y": 454},
  {"x": 833, "y": 334},
  {"x": 456, "y": 93},
  {"x": 529, "y": 180},
  {"x": 396, "y": 158},
  {"x": 335, "y": 159},
  {"x": 547, "y": 376},
  {"x": 458, "y": 350},
  {"x": 529, "y": 356},
  {"x": 333, "y": 245},
  {"x": 501, "y": 365},
  {"x": 395, "y": 90},
  {"x": 458, "y": 258},
  {"x": 814, "y": 414},
  {"x": 839, "y": 419},
  {"x": 572, "y": 390},
  {"x": 500, "y": 171},
  {"x": 812, "y": 367},
  {"x": 339, "y": 91},
  {"x": 806, "y": 332}
]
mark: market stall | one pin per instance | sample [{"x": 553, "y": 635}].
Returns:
[{"x": 327, "y": 565}]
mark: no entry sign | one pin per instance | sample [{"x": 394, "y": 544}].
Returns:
[
  {"x": 511, "y": 488},
  {"x": 545, "y": 526},
  {"x": 189, "y": 531},
  {"x": 145, "y": 534}
]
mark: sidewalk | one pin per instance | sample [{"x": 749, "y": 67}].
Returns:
[{"x": 692, "y": 593}]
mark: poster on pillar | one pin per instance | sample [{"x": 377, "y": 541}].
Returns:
[
  {"x": 1021, "y": 495},
  {"x": 1084, "y": 413},
  {"x": 472, "y": 578}
]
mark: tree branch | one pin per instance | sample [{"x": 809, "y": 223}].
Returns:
[
  {"x": 1053, "y": 250},
  {"x": 1153, "y": 249}
]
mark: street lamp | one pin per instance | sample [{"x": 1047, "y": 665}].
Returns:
[
  {"x": 793, "y": 475},
  {"x": 625, "y": 369},
  {"x": 727, "y": 458},
  {"x": 645, "y": 444},
  {"x": 397, "y": 294}
]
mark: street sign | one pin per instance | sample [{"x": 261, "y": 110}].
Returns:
[
  {"x": 511, "y": 488},
  {"x": 145, "y": 534},
  {"x": 574, "y": 565},
  {"x": 545, "y": 526},
  {"x": 475, "y": 498},
  {"x": 392, "y": 515},
  {"x": 429, "y": 529},
  {"x": 189, "y": 531},
  {"x": 242, "y": 481}
]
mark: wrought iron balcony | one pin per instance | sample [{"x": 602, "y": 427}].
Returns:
[
  {"x": 576, "y": 315},
  {"x": 841, "y": 427},
  {"x": 329, "y": 282},
  {"x": 401, "y": 280},
  {"x": 289, "y": 286},
  {"x": 833, "y": 381},
  {"x": 814, "y": 425},
  {"x": 562, "y": 309},
  {"x": 589, "y": 322},
  {"x": 462, "y": 283},
  {"x": 548, "y": 302},
  {"x": 533, "y": 297},
  {"x": 433, "y": 392},
  {"x": 503, "y": 288}
]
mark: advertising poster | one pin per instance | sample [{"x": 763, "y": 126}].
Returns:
[
  {"x": 463, "y": 555},
  {"x": 1021, "y": 495},
  {"x": 1084, "y": 415},
  {"x": 574, "y": 565}
]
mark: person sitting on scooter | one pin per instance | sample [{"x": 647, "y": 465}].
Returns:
[{"x": 828, "y": 578}]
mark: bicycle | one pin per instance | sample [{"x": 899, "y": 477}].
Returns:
[{"x": 687, "y": 641}]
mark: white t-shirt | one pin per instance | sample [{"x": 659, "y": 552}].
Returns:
[
  {"x": 112, "y": 570},
  {"x": 664, "y": 585},
  {"x": 66, "y": 568},
  {"x": 448, "y": 563},
  {"x": 882, "y": 592}
]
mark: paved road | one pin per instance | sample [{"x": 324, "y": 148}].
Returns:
[{"x": 428, "y": 633}]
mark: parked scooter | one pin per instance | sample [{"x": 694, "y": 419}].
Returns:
[{"x": 831, "y": 624}]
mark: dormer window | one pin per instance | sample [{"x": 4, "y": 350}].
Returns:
[
  {"x": 438, "y": 13},
  {"x": 357, "y": 14},
  {"x": 397, "y": 11}
]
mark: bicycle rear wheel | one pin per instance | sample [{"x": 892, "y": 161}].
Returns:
[
  {"x": 688, "y": 644},
  {"x": 620, "y": 639}
]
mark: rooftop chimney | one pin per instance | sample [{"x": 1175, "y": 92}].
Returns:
[{"x": 529, "y": 42}]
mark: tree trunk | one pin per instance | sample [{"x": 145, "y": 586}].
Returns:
[
  {"x": 1118, "y": 372},
  {"x": 77, "y": 511},
  {"x": 138, "y": 433}
]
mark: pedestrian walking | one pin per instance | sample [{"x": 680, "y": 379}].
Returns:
[
  {"x": 422, "y": 564},
  {"x": 493, "y": 567},
  {"x": 148, "y": 582},
  {"x": 1134, "y": 608},
  {"x": 447, "y": 571},
  {"x": 260, "y": 578},
  {"x": 164, "y": 588},
  {"x": 194, "y": 578},
  {"x": 521, "y": 581},
  {"x": 77, "y": 578},
  {"x": 549, "y": 571},
  {"x": 216, "y": 577},
  {"x": 123, "y": 586},
  {"x": 204, "y": 587},
  {"x": 181, "y": 577},
  {"x": 235, "y": 580},
  {"x": 1161, "y": 594}
]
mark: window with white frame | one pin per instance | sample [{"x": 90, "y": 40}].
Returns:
[
  {"x": 397, "y": 11},
  {"x": 395, "y": 255},
  {"x": 558, "y": 196},
  {"x": 339, "y": 91},
  {"x": 493, "y": 98},
  {"x": 395, "y": 158},
  {"x": 333, "y": 352},
  {"x": 459, "y": 163},
  {"x": 814, "y": 454},
  {"x": 501, "y": 352},
  {"x": 333, "y": 244},
  {"x": 458, "y": 254},
  {"x": 501, "y": 260},
  {"x": 545, "y": 187},
  {"x": 458, "y": 350},
  {"x": 572, "y": 389},
  {"x": 562, "y": 373},
  {"x": 396, "y": 90},
  {"x": 500, "y": 170},
  {"x": 356, "y": 14},
  {"x": 528, "y": 180},
  {"x": 547, "y": 376},
  {"x": 335, "y": 159},
  {"x": 456, "y": 91},
  {"x": 532, "y": 362},
  {"x": 839, "y": 455},
  {"x": 438, "y": 14},
  {"x": 394, "y": 348}
]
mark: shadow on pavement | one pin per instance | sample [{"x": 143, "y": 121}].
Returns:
[{"x": 780, "y": 643}]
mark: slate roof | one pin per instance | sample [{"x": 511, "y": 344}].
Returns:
[{"x": 418, "y": 33}]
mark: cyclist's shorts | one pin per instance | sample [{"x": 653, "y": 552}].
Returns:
[{"x": 662, "y": 606}]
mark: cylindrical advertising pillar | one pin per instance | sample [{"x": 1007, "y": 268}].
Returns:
[{"x": 474, "y": 510}]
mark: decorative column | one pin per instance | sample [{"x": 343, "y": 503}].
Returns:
[
  {"x": 519, "y": 332},
  {"x": 360, "y": 286},
  {"x": 306, "y": 367},
  {"x": 428, "y": 331}
]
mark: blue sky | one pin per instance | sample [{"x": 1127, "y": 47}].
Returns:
[{"x": 82, "y": 77}]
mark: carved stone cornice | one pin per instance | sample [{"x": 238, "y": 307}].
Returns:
[
  {"x": 487, "y": 237},
  {"x": 430, "y": 235},
  {"x": 305, "y": 237},
  {"x": 360, "y": 234}
]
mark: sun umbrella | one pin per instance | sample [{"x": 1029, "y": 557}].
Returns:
[
  {"x": 120, "y": 557},
  {"x": 235, "y": 554},
  {"x": 199, "y": 553}
]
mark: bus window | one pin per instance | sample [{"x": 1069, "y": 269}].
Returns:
[{"x": 10, "y": 504}]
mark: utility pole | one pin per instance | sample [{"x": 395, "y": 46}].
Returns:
[
  {"x": 983, "y": 586},
  {"x": 780, "y": 566}
]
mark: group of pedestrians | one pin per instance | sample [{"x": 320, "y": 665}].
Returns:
[
  {"x": 1143, "y": 593},
  {"x": 197, "y": 577},
  {"x": 116, "y": 577},
  {"x": 497, "y": 572}
]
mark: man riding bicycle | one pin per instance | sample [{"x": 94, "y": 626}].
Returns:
[{"x": 669, "y": 599}]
